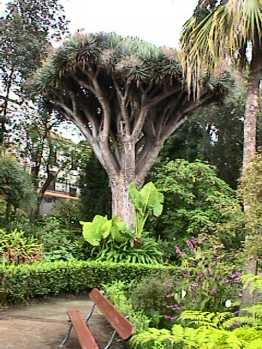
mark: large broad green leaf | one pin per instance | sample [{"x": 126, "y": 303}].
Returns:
[
  {"x": 102, "y": 228},
  {"x": 136, "y": 198},
  {"x": 92, "y": 231},
  {"x": 152, "y": 198},
  {"x": 106, "y": 228},
  {"x": 118, "y": 229}
]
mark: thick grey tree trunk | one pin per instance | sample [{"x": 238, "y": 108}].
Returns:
[{"x": 121, "y": 205}]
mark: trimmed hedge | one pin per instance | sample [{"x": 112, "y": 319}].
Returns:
[{"x": 19, "y": 283}]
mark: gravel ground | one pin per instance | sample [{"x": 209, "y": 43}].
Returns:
[{"x": 43, "y": 325}]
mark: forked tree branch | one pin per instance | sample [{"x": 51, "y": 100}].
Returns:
[{"x": 122, "y": 104}]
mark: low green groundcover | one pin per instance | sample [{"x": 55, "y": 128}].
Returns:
[{"x": 19, "y": 283}]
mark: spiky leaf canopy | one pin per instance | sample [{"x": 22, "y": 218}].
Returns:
[
  {"x": 135, "y": 66},
  {"x": 126, "y": 58},
  {"x": 119, "y": 90}
]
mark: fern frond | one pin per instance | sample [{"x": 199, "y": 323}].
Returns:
[
  {"x": 255, "y": 311},
  {"x": 238, "y": 321},
  {"x": 204, "y": 319}
]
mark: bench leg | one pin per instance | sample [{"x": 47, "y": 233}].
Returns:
[
  {"x": 110, "y": 340},
  {"x": 89, "y": 315},
  {"x": 67, "y": 336}
]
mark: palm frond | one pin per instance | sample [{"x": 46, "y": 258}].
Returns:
[{"x": 221, "y": 37}]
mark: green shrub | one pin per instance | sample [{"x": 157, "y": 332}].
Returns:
[
  {"x": 118, "y": 293},
  {"x": 146, "y": 252},
  {"x": 209, "y": 275},
  {"x": 112, "y": 241},
  {"x": 151, "y": 295},
  {"x": 24, "y": 282},
  {"x": 201, "y": 338},
  {"x": 60, "y": 243},
  {"x": 196, "y": 201},
  {"x": 68, "y": 212},
  {"x": 16, "y": 247},
  {"x": 207, "y": 280},
  {"x": 16, "y": 187}
]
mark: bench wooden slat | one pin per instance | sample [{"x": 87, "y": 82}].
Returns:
[
  {"x": 122, "y": 326},
  {"x": 85, "y": 337}
]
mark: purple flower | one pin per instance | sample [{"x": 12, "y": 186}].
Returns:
[
  {"x": 179, "y": 252},
  {"x": 190, "y": 244},
  {"x": 169, "y": 318},
  {"x": 200, "y": 274},
  {"x": 194, "y": 285},
  {"x": 234, "y": 276}
]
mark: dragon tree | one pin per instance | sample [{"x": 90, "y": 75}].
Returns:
[{"x": 126, "y": 96}]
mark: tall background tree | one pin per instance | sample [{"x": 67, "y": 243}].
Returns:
[
  {"x": 126, "y": 96},
  {"x": 26, "y": 31},
  {"x": 227, "y": 31},
  {"x": 214, "y": 134},
  {"x": 38, "y": 144},
  {"x": 16, "y": 189}
]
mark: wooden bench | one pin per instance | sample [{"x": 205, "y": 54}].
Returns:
[{"x": 118, "y": 322}]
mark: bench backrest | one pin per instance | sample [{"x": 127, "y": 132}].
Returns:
[{"x": 122, "y": 326}]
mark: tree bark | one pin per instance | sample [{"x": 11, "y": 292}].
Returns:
[
  {"x": 121, "y": 205},
  {"x": 252, "y": 108},
  {"x": 249, "y": 149},
  {"x": 3, "y": 118}
]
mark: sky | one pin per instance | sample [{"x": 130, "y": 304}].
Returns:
[{"x": 156, "y": 21}]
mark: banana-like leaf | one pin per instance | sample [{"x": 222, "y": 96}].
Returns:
[
  {"x": 117, "y": 229},
  {"x": 93, "y": 231},
  {"x": 152, "y": 198},
  {"x": 106, "y": 228},
  {"x": 136, "y": 198},
  {"x": 102, "y": 228},
  {"x": 148, "y": 198}
]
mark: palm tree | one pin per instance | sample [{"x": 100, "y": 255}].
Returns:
[
  {"x": 229, "y": 32},
  {"x": 221, "y": 33}
]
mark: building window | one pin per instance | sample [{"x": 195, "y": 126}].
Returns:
[{"x": 73, "y": 191}]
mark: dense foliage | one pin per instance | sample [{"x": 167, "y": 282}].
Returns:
[
  {"x": 208, "y": 138},
  {"x": 15, "y": 186},
  {"x": 93, "y": 182},
  {"x": 191, "y": 329},
  {"x": 199, "y": 330},
  {"x": 27, "y": 28},
  {"x": 16, "y": 247},
  {"x": 196, "y": 201},
  {"x": 24, "y": 282}
]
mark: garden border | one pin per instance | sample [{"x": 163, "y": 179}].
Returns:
[{"x": 20, "y": 283}]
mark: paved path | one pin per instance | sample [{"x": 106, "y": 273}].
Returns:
[{"x": 43, "y": 325}]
